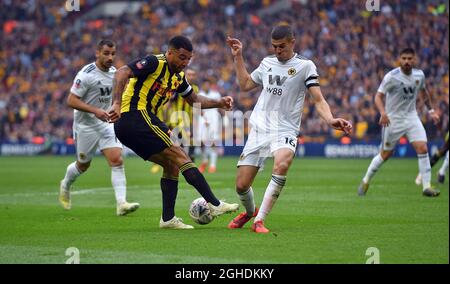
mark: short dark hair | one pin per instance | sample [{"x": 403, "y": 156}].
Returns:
[
  {"x": 281, "y": 31},
  {"x": 106, "y": 42},
  {"x": 407, "y": 50},
  {"x": 180, "y": 41}
]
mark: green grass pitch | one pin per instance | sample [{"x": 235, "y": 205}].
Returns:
[{"x": 318, "y": 218}]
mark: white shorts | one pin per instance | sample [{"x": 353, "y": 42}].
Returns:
[
  {"x": 412, "y": 127},
  {"x": 259, "y": 147},
  {"x": 87, "y": 140}
]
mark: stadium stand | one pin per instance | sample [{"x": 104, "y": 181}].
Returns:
[{"x": 43, "y": 46}]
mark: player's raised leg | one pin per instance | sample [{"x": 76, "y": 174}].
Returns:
[
  {"x": 390, "y": 134},
  {"x": 118, "y": 180},
  {"x": 193, "y": 176},
  {"x": 375, "y": 164},
  {"x": 244, "y": 180},
  {"x": 73, "y": 171}
]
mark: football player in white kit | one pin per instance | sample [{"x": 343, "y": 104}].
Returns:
[
  {"x": 90, "y": 97},
  {"x": 275, "y": 120},
  {"x": 401, "y": 87},
  {"x": 209, "y": 130}
]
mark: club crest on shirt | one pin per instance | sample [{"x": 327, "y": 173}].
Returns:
[
  {"x": 77, "y": 83},
  {"x": 417, "y": 82},
  {"x": 292, "y": 71},
  {"x": 82, "y": 156}
]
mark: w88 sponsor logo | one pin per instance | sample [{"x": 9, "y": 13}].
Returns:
[{"x": 275, "y": 91}]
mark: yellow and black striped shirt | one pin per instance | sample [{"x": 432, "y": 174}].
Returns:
[
  {"x": 178, "y": 108},
  {"x": 153, "y": 85}
]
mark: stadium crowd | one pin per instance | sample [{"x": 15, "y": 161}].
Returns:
[{"x": 43, "y": 46}]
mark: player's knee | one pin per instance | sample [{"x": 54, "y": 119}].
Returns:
[
  {"x": 116, "y": 161},
  {"x": 422, "y": 149},
  {"x": 83, "y": 166},
  {"x": 242, "y": 185},
  {"x": 177, "y": 156},
  {"x": 171, "y": 169},
  {"x": 281, "y": 168},
  {"x": 385, "y": 155}
]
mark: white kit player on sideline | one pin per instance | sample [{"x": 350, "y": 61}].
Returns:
[
  {"x": 275, "y": 120},
  {"x": 401, "y": 87},
  {"x": 209, "y": 130},
  {"x": 90, "y": 97}
]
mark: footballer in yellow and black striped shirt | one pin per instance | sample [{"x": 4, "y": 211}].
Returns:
[{"x": 152, "y": 81}]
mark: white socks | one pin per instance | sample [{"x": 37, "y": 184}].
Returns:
[
  {"x": 72, "y": 173},
  {"x": 119, "y": 183},
  {"x": 376, "y": 163},
  {"x": 213, "y": 157},
  {"x": 444, "y": 166},
  {"x": 270, "y": 196},
  {"x": 425, "y": 170},
  {"x": 248, "y": 201}
]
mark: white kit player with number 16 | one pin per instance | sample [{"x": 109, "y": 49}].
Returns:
[
  {"x": 91, "y": 98},
  {"x": 275, "y": 121}
]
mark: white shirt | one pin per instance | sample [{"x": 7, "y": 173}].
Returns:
[
  {"x": 94, "y": 87},
  {"x": 401, "y": 92},
  {"x": 280, "y": 104}
]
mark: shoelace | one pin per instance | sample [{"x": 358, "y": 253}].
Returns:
[{"x": 178, "y": 220}]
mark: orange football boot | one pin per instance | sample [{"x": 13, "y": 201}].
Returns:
[{"x": 241, "y": 220}]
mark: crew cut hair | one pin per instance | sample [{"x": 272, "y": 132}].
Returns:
[
  {"x": 282, "y": 31},
  {"x": 180, "y": 41},
  {"x": 106, "y": 42}
]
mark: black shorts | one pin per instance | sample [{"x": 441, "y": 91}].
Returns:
[{"x": 143, "y": 132}]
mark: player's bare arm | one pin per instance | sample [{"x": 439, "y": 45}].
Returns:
[
  {"x": 379, "y": 103},
  {"x": 119, "y": 82},
  {"x": 325, "y": 113},
  {"x": 245, "y": 80},
  {"x": 75, "y": 102},
  {"x": 428, "y": 99},
  {"x": 225, "y": 103}
]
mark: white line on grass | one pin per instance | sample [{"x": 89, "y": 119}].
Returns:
[{"x": 73, "y": 192}]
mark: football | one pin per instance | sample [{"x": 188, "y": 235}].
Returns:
[{"x": 199, "y": 212}]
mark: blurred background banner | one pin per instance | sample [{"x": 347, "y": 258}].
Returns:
[{"x": 328, "y": 150}]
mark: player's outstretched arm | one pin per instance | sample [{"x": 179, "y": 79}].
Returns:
[
  {"x": 120, "y": 81},
  {"x": 225, "y": 103},
  {"x": 324, "y": 111},
  {"x": 245, "y": 80}
]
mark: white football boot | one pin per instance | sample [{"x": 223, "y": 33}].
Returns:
[
  {"x": 124, "y": 208},
  {"x": 223, "y": 208},
  {"x": 174, "y": 223},
  {"x": 64, "y": 197}
]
